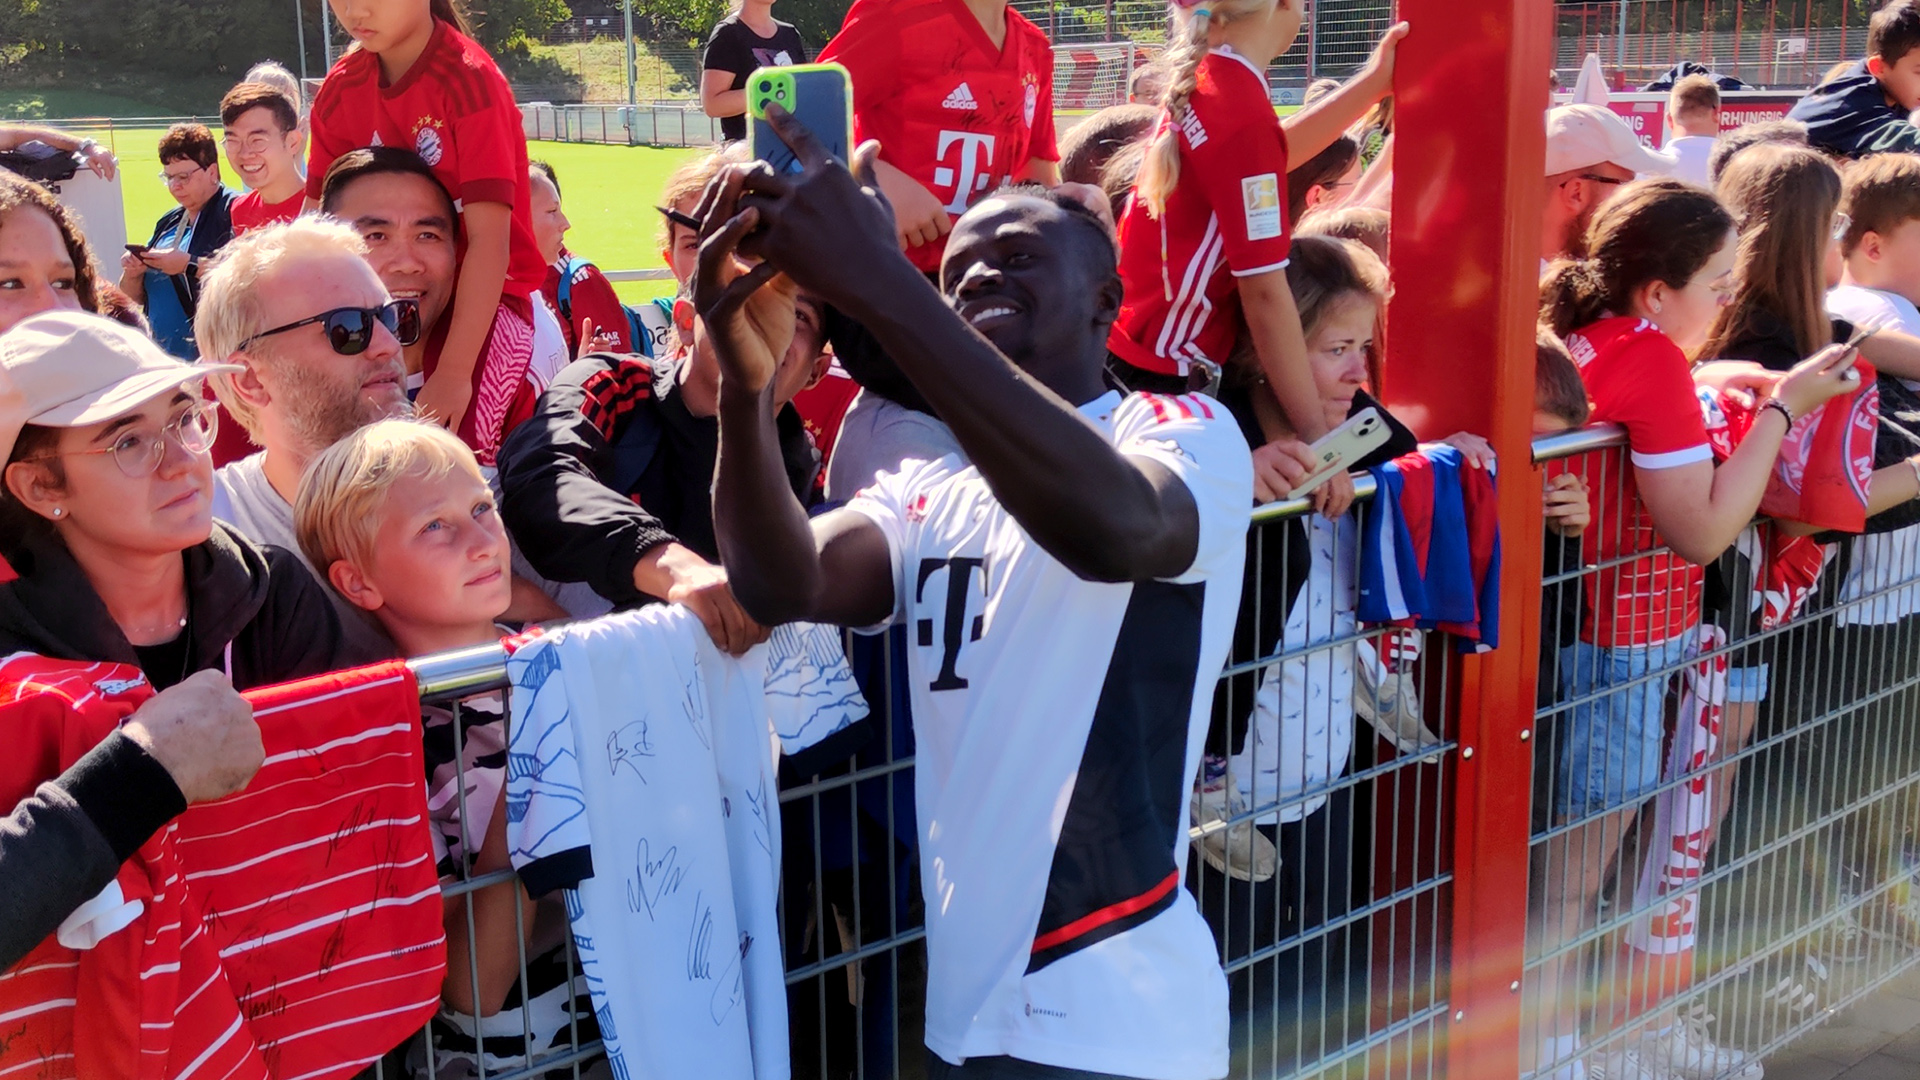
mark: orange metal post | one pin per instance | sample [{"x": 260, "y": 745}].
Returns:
[{"x": 1471, "y": 89}]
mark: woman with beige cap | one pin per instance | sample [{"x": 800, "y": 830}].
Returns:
[{"x": 107, "y": 519}]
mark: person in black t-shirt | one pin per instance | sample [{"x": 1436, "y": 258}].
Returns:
[{"x": 749, "y": 38}]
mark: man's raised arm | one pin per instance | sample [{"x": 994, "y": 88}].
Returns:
[
  {"x": 835, "y": 569},
  {"x": 1105, "y": 516}
]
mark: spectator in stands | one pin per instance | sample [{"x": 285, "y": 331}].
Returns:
[
  {"x": 1282, "y": 733},
  {"x": 411, "y": 228},
  {"x": 276, "y": 75},
  {"x": 315, "y": 342},
  {"x": 44, "y": 261},
  {"x": 1324, "y": 179},
  {"x": 403, "y": 525},
  {"x": 165, "y": 277},
  {"x": 749, "y": 38},
  {"x": 591, "y": 314},
  {"x": 1590, "y": 153},
  {"x": 393, "y": 198},
  {"x": 1360, "y": 223},
  {"x": 261, "y": 133},
  {"x": 1086, "y": 149},
  {"x": 608, "y": 483},
  {"x": 110, "y": 522},
  {"x": 417, "y": 79},
  {"x": 1866, "y": 110},
  {"x": 95, "y": 156},
  {"x": 1103, "y": 492},
  {"x": 1659, "y": 266},
  {"x": 1693, "y": 126},
  {"x": 1210, "y": 208},
  {"x": 1790, "y": 132}
]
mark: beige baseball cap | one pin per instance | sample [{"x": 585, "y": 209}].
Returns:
[
  {"x": 73, "y": 368},
  {"x": 1582, "y": 136}
]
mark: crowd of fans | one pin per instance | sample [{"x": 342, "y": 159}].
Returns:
[{"x": 377, "y": 406}]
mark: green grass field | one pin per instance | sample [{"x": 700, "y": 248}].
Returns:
[{"x": 610, "y": 194}]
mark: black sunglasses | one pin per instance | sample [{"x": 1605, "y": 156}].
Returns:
[{"x": 350, "y": 329}]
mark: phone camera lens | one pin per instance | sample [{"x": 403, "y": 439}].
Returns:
[{"x": 765, "y": 86}]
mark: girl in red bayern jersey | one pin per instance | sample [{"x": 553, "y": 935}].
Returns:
[
  {"x": 1660, "y": 269},
  {"x": 415, "y": 79},
  {"x": 1204, "y": 239}
]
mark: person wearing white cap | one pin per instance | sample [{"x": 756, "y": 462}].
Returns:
[
  {"x": 107, "y": 518},
  {"x": 1590, "y": 153}
]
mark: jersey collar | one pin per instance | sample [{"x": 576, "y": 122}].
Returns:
[{"x": 1227, "y": 50}]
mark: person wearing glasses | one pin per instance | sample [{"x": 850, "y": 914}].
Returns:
[
  {"x": 310, "y": 344},
  {"x": 108, "y": 520},
  {"x": 163, "y": 275},
  {"x": 261, "y": 135},
  {"x": 1590, "y": 153}
]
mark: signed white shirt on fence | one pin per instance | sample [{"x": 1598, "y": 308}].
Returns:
[{"x": 635, "y": 740}]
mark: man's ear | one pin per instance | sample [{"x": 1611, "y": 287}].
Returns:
[
  {"x": 352, "y": 583},
  {"x": 246, "y": 383},
  {"x": 1106, "y": 303},
  {"x": 821, "y": 365}
]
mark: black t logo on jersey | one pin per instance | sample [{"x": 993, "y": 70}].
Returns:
[{"x": 959, "y": 577}]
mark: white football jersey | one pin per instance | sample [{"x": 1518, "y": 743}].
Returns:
[{"x": 1059, "y": 723}]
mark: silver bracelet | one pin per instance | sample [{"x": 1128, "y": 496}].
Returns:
[{"x": 1776, "y": 403}]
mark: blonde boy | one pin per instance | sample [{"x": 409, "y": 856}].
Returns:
[{"x": 397, "y": 518}]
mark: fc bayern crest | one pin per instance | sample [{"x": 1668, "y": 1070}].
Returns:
[
  {"x": 1033, "y": 101},
  {"x": 426, "y": 142}
]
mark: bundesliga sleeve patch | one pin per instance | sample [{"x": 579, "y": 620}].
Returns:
[{"x": 1261, "y": 197}]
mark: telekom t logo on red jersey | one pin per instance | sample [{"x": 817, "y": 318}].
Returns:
[{"x": 975, "y": 169}]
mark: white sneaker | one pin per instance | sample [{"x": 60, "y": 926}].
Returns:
[
  {"x": 1685, "y": 1051},
  {"x": 1239, "y": 851}
]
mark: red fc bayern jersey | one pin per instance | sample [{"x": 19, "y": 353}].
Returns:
[
  {"x": 1637, "y": 378},
  {"x": 251, "y": 211},
  {"x": 949, "y": 109},
  {"x": 1226, "y": 219},
  {"x": 455, "y": 109}
]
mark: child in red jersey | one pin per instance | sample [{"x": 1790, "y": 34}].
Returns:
[
  {"x": 961, "y": 100},
  {"x": 1661, "y": 265},
  {"x": 415, "y": 79},
  {"x": 1204, "y": 239}
]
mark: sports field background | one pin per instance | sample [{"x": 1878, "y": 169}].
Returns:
[{"x": 608, "y": 191}]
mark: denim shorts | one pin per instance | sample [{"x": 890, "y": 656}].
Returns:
[{"x": 1610, "y": 744}]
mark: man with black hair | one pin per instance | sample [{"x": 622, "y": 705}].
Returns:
[
  {"x": 1864, "y": 110},
  {"x": 1069, "y": 597}
]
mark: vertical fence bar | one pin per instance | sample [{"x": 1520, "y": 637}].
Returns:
[{"x": 1465, "y": 250}]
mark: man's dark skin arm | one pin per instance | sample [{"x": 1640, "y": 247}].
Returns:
[{"x": 1105, "y": 516}]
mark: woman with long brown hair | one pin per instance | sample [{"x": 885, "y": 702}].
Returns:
[{"x": 1786, "y": 200}]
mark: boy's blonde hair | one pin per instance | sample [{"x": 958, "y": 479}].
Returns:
[
  {"x": 1160, "y": 172},
  {"x": 232, "y": 309},
  {"x": 343, "y": 493}
]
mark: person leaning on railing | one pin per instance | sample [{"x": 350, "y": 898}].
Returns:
[{"x": 97, "y": 157}]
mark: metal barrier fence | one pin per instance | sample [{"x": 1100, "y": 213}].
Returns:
[
  {"x": 669, "y": 124},
  {"x": 1322, "y": 854},
  {"x": 1757, "y": 865}
]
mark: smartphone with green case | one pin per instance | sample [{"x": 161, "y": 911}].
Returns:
[{"x": 820, "y": 96}]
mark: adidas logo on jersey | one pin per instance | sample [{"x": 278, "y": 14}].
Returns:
[{"x": 961, "y": 100}]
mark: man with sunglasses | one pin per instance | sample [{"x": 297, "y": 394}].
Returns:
[
  {"x": 1591, "y": 152},
  {"x": 318, "y": 340},
  {"x": 163, "y": 275}
]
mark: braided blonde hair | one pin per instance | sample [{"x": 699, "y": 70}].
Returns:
[{"x": 1160, "y": 171}]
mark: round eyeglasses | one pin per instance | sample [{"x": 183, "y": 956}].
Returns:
[{"x": 139, "y": 449}]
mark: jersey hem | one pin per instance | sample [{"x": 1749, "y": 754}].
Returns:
[
  {"x": 1673, "y": 459},
  {"x": 1281, "y": 265}
]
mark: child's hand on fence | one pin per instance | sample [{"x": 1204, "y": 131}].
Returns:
[{"x": 1567, "y": 508}]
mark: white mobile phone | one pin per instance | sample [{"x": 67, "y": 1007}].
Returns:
[{"x": 1362, "y": 434}]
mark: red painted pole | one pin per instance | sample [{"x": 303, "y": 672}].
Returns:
[{"x": 1466, "y": 250}]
